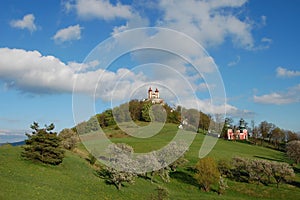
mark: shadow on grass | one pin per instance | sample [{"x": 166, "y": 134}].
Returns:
[
  {"x": 184, "y": 178},
  {"x": 270, "y": 159},
  {"x": 295, "y": 183}
]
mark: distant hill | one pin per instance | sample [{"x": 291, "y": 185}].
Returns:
[{"x": 14, "y": 143}]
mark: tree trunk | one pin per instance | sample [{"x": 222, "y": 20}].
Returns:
[{"x": 119, "y": 185}]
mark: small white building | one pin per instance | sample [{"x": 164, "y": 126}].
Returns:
[{"x": 153, "y": 96}]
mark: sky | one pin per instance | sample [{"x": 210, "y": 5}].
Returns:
[{"x": 62, "y": 61}]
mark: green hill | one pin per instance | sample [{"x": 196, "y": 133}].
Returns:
[{"x": 76, "y": 179}]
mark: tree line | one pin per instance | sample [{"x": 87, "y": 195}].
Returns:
[
  {"x": 145, "y": 111},
  {"x": 263, "y": 132}
]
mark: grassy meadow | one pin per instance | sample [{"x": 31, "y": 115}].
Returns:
[{"x": 75, "y": 178}]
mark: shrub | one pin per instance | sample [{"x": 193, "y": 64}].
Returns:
[
  {"x": 259, "y": 171},
  {"x": 69, "y": 138},
  {"x": 207, "y": 173},
  {"x": 240, "y": 171},
  {"x": 92, "y": 159},
  {"x": 225, "y": 168},
  {"x": 162, "y": 193}
]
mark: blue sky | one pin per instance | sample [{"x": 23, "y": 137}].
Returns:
[{"x": 44, "y": 45}]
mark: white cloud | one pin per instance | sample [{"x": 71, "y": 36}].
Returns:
[
  {"x": 81, "y": 67},
  {"x": 31, "y": 72},
  {"x": 26, "y": 23},
  {"x": 101, "y": 9},
  {"x": 283, "y": 72},
  {"x": 291, "y": 96},
  {"x": 69, "y": 33},
  {"x": 206, "y": 22}
]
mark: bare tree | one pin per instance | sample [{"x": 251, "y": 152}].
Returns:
[{"x": 293, "y": 150}]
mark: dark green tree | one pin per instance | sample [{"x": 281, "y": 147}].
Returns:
[
  {"x": 43, "y": 145},
  {"x": 146, "y": 112}
]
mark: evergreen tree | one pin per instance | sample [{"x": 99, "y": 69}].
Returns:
[{"x": 43, "y": 145}]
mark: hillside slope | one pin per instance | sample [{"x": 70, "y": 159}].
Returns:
[{"x": 75, "y": 179}]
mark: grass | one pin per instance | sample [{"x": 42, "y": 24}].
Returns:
[{"x": 76, "y": 179}]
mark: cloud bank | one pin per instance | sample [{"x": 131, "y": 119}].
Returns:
[{"x": 292, "y": 95}]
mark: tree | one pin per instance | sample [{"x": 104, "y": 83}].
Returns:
[
  {"x": 281, "y": 172},
  {"x": 69, "y": 138},
  {"x": 207, "y": 173},
  {"x": 159, "y": 113},
  {"x": 135, "y": 109},
  {"x": 43, "y": 145},
  {"x": 169, "y": 158},
  {"x": 277, "y": 136},
  {"x": 259, "y": 170},
  {"x": 204, "y": 121},
  {"x": 262, "y": 171},
  {"x": 292, "y": 136},
  {"x": 293, "y": 150},
  {"x": 265, "y": 129},
  {"x": 255, "y": 132},
  {"x": 146, "y": 112},
  {"x": 121, "y": 165},
  {"x": 227, "y": 125}
]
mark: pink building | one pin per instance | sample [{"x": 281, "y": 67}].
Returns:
[{"x": 240, "y": 133}]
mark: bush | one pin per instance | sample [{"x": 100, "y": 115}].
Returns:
[
  {"x": 162, "y": 193},
  {"x": 259, "y": 171},
  {"x": 262, "y": 171},
  {"x": 207, "y": 173},
  {"x": 293, "y": 150},
  {"x": 225, "y": 168},
  {"x": 92, "y": 159},
  {"x": 69, "y": 138},
  {"x": 240, "y": 171}
]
